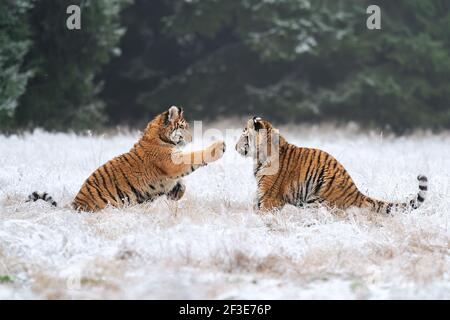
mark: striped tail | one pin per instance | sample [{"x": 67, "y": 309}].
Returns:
[
  {"x": 41, "y": 196},
  {"x": 387, "y": 207}
]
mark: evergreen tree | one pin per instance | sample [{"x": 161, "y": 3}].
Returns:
[
  {"x": 63, "y": 92},
  {"x": 294, "y": 60},
  {"x": 287, "y": 60},
  {"x": 14, "y": 44}
]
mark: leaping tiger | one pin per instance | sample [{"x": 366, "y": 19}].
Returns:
[
  {"x": 287, "y": 174},
  {"x": 152, "y": 168}
]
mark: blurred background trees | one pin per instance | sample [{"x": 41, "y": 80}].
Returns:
[
  {"x": 63, "y": 93},
  {"x": 14, "y": 44},
  {"x": 287, "y": 60}
]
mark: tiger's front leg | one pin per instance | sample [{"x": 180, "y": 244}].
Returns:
[
  {"x": 184, "y": 163},
  {"x": 269, "y": 204},
  {"x": 177, "y": 192}
]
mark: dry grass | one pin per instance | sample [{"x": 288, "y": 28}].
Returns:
[{"x": 211, "y": 244}]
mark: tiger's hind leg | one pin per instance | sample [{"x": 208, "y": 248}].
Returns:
[{"x": 177, "y": 192}]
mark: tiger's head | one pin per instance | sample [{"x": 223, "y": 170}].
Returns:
[
  {"x": 258, "y": 139},
  {"x": 170, "y": 127}
]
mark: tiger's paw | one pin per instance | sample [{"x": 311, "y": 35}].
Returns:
[
  {"x": 177, "y": 192},
  {"x": 215, "y": 151}
]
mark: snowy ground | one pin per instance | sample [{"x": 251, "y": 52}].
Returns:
[{"x": 211, "y": 245}]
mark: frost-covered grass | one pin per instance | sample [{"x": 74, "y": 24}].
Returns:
[{"x": 211, "y": 244}]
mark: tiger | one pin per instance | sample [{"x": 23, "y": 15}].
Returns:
[
  {"x": 153, "y": 167},
  {"x": 287, "y": 174}
]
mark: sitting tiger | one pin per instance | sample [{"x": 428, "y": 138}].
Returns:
[
  {"x": 152, "y": 168},
  {"x": 287, "y": 174}
]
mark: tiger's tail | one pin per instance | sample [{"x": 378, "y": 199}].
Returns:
[
  {"x": 42, "y": 196},
  {"x": 387, "y": 207}
]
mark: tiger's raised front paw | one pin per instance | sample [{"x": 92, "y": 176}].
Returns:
[{"x": 215, "y": 151}]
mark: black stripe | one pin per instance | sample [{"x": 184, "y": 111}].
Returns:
[
  {"x": 111, "y": 176},
  {"x": 175, "y": 189},
  {"x": 308, "y": 174},
  {"x": 295, "y": 192},
  {"x": 319, "y": 181},
  {"x": 122, "y": 197},
  {"x": 98, "y": 186},
  {"x": 380, "y": 204},
  {"x": 320, "y": 200},
  {"x": 420, "y": 199},
  {"x": 136, "y": 154},
  {"x": 345, "y": 183},
  {"x": 349, "y": 185},
  {"x": 148, "y": 196},
  {"x": 317, "y": 170},
  {"x": 347, "y": 177},
  {"x": 91, "y": 195},
  {"x": 350, "y": 194},
  {"x": 261, "y": 198},
  {"x": 389, "y": 207},
  {"x": 257, "y": 168},
  {"x": 114, "y": 182},
  {"x": 108, "y": 175},
  {"x": 138, "y": 144},
  {"x": 126, "y": 159},
  {"x": 138, "y": 195},
  {"x": 280, "y": 175},
  {"x": 95, "y": 179},
  {"x": 298, "y": 196},
  {"x": 372, "y": 203},
  {"x": 132, "y": 157},
  {"x": 423, "y": 188},
  {"x": 357, "y": 197},
  {"x": 89, "y": 183},
  {"x": 352, "y": 202},
  {"x": 164, "y": 139},
  {"x": 104, "y": 184},
  {"x": 83, "y": 194},
  {"x": 128, "y": 155},
  {"x": 329, "y": 160},
  {"x": 330, "y": 184}
]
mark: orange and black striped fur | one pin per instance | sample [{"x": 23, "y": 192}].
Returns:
[
  {"x": 304, "y": 175},
  {"x": 152, "y": 168}
]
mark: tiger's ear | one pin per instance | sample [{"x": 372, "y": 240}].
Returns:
[
  {"x": 257, "y": 123},
  {"x": 173, "y": 113}
]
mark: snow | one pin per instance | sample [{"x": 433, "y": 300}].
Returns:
[{"x": 211, "y": 245}]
